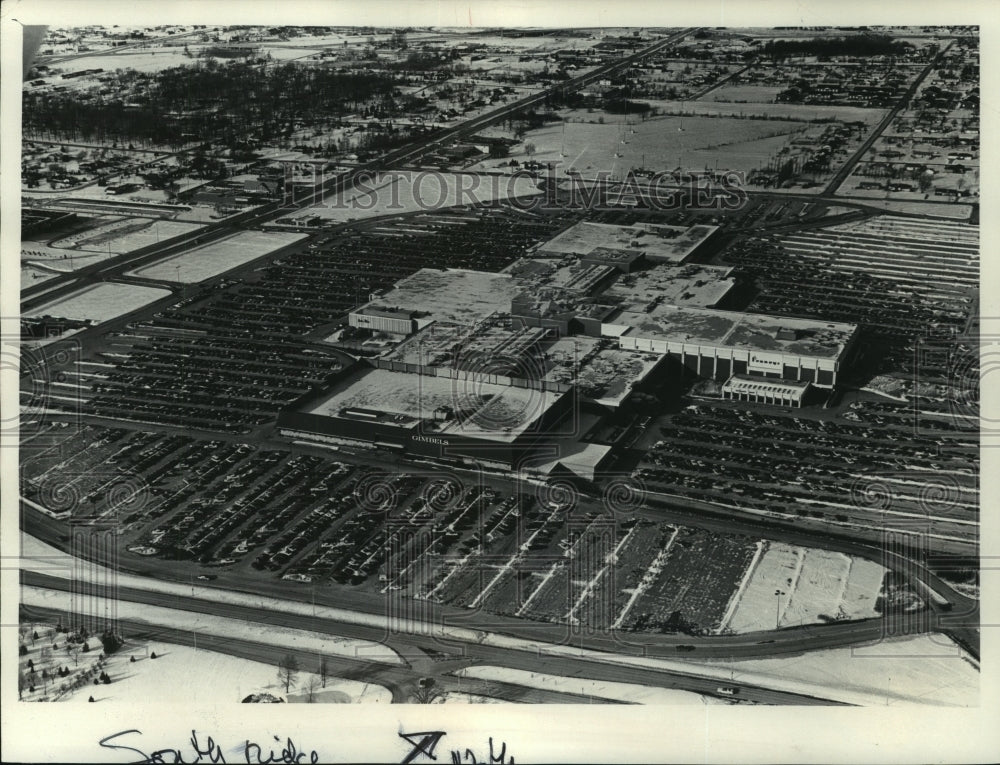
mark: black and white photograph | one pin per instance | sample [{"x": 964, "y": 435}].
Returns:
[{"x": 421, "y": 359}]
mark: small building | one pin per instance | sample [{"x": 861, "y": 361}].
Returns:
[
  {"x": 395, "y": 321},
  {"x": 765, "y": 390}
]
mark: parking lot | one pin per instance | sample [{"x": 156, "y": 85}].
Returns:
[{"x": 866, "y": 471}]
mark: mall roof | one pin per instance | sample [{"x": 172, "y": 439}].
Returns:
[
  {"x": 751, "y": 331},
  {"x": 456, "y": 295},
  {"x": 657, "y": 242}
]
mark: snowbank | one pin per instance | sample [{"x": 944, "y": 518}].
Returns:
[
  {"x": 219, "y": 626},
  {"x": 834, "y": 674},
  {"x": 627, "y": 692},
  {"x": 183, "y": 674}
]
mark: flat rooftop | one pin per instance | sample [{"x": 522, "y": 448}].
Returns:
[
  {"x": 453, "y": 295},
  {"x": 657, "y": 242},
  {"x": 404, "y": 400},
  {"x": 444, "y": 344},
  {"x": 605, "y": 374},
  {"x": 567, "y": 273},
  {"x": 431, "y": 346},
  {"x": 754, "y": 384},
  {"x": 686, "y": 285},
  {"x": 731, "y": 329}
]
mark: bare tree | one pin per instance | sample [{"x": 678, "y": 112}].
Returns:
[
  {"x": 288, "y": 670},
  {"x": 324, "y": 670},
  {"x": 311, "y": 687},
  {"x": 427, "y": 695}
]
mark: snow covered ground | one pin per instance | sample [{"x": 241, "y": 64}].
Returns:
[
  {"x": 468, "y": 698},
  {"x": 99, "y": 303},
  {"x": 793, "y": 585},
  {"x": 927, "y": 669},
  {"x": 627, "y": 692},
  {"x": 216, "y": 258},
  {"x": 220, "y": 626},
  {"x": 182, "y": 674},
  {"x": 125, "y": 235},
  {"x": 945, "y": 675},
  {"x": 401, "y": 191},
  {"x": 31, "y": 276}
]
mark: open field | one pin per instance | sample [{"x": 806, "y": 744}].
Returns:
[
  {"x": 814, "y": 586},
  {"x": 140, "y": 59},
  {"x": 877, "y": 199},
  {"x": 740, "y": 94},
  {"x": 402, "y": 192},
  {"x": 218, "y": 257},
  {"x": 691, "y": 142},
  {"x": 123, "y": 235},
  {"x": 181, "y": 675},
  {"x": 803, "y": 113},
  {"x": 928, "y": 669},
  {"x": 31, "y": 275},
  {"x": 99, "y": 303}
]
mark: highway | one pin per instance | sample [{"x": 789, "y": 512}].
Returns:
[
  {"x": 956, "y": 618},
  {"x": 400, "y": 680},
  {"x": 338, "y": 184},
  {"x": 415, "y": 649}
]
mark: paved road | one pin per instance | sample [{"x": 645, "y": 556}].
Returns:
[
  {"x": 784, "y": 641},
  {"x": 414, "y": 649},
  {"x": 340, "y": 183},
  {"x": 959, "y": 617},
  {"x": 848, "y": 167},
  {"x": 401, "y": 680},
  {"x": 152, "y": 42}
]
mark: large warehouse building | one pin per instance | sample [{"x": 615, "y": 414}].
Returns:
[
  {"x": 719, "y": 344},
  {"x": 488, "y": 419},
  {"x": 516, "y": 368}
]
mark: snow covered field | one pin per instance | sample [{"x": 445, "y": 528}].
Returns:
[
  {"x": 217, "y": 257},
  {"x": 124, "y": 235},
  {"x": 811, "y": 583},
  {"x": 142, "y": 60},
  {"x": 804, "y": 112},
  {"x": 30, "y": 276},
  {"x": 659, "y": 143},
  {"x": 99, "y": 303},
  {"x": 927, "y": 669},
  {"x": 399, "y": 192},
  {"x": 952, "y": 211},
  {"x": 626, "y": 692},
  {"x": 182, "y": 674},
  {"x": 854, "y": 676}
]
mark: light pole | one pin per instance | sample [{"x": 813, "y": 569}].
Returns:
[{"x": 777, "y": 609}]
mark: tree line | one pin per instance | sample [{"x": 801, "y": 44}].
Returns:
[
  {"x": 174, "y": 106},
  {"x": 857, "y": 45}
]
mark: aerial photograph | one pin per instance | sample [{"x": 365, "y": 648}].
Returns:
[{"x": 482, "y": 365}]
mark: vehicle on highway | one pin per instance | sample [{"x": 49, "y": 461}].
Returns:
[{"x": 727, "y": 690}]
